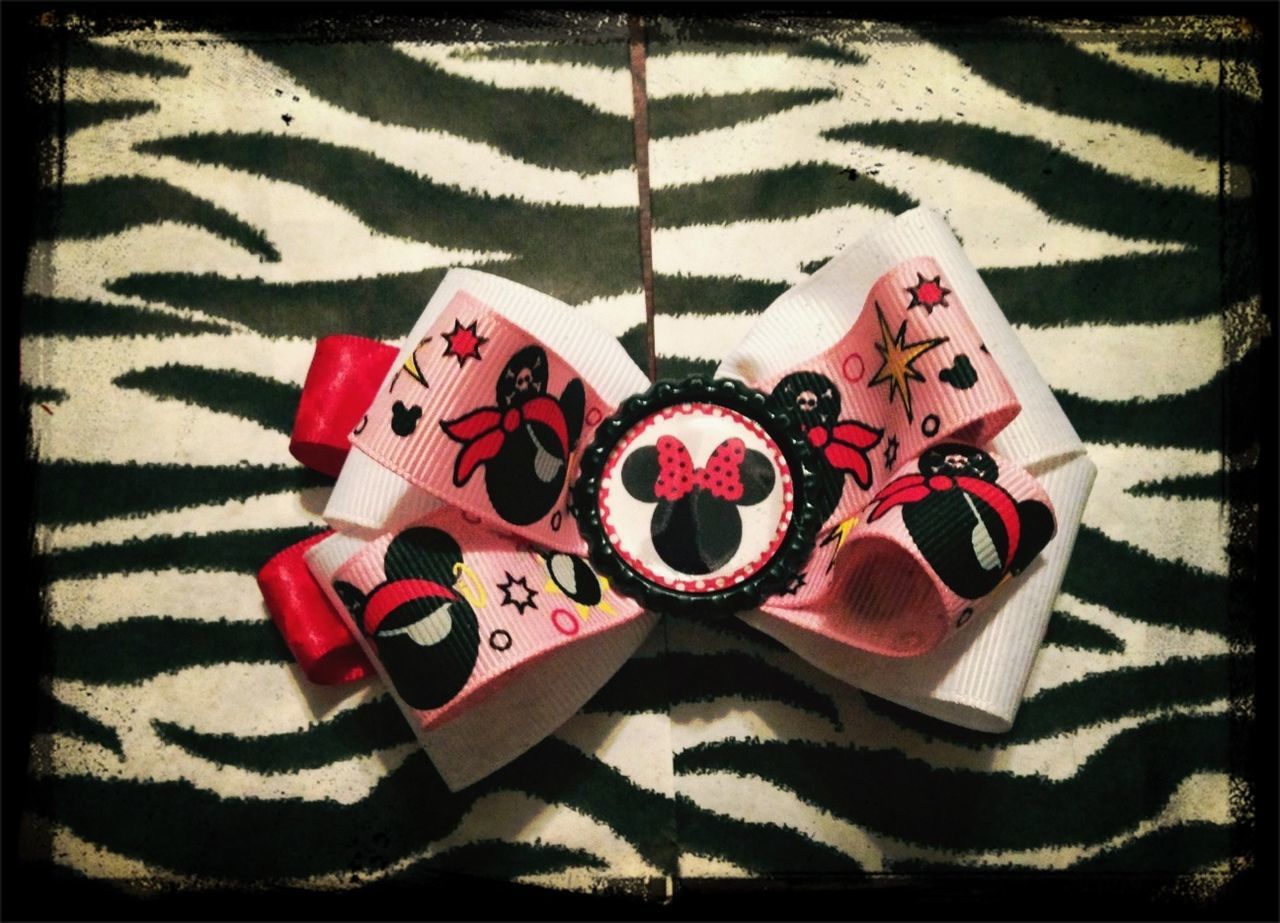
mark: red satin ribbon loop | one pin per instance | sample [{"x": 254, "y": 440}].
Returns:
[
  {"x": 345, "y": 375},
  {"x": 315, "y": 633}
]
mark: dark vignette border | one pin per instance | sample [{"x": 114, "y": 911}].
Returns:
[{"x": 41, "y": 890}]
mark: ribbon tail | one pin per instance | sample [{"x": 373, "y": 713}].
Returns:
[
  {"x": 856, "y": 434},
  {"x": 475, "y": 455},
  {"x": 908, "y": 489},
  {"x": 854, "y": 461},
  {"x": 471, "y": 426}
]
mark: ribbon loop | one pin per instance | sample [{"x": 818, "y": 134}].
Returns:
[
  {"x": 343, "y": 377},
  {"x": 505, "y": 407},
  {"x": 316, "y": 632},
  {"x": 910, "y": 570}
]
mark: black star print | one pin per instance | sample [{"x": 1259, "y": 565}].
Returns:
[
  {"x": 524, "y": 599},
  {"x": 794, "y": 583},
  {"x": 928, "y": 293},
  {"x": 891, "y": 452}
]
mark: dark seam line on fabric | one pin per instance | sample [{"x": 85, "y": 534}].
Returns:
[{"x": 640, "y": 105}]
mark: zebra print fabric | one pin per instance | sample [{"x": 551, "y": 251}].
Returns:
[{"x": 222, "y": 200}]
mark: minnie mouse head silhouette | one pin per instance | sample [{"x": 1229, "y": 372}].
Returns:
[
  {"x": 524, "y": 442},
  {"x": 696, "y": 527},
  {"x": 842, "y": 445},
  {"x": 968, "y": 527},
  {"x": 424, "y": 631}
]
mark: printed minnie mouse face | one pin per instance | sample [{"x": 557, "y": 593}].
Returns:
[
  {"x": 696, "y": 527},
  {"x": 968, "y": 527},
  {"x": 524, "y": 443},
  {"x": 425, "y": 633},
  {"x": 696, "y": 497},
  {"x": 812, "y": 396},
  {"x": 842, "y": 445}
]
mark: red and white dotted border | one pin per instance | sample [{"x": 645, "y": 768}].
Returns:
[{"x": 700, "y": 585}]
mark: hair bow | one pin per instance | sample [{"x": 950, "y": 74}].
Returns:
[{"x": 848, "y": 502}]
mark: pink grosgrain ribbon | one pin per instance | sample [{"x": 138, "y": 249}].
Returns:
[{"x": 484, "y": 415}]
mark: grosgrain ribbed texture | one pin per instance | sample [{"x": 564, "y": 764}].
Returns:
[
  {"x": 805, "y": 320},
  {"x": 324, "y": 558},
  {"x": 366, "y": 495},
  {"x": 372, "y": 498},
  {"x": 516, "y": 706},
  {"x": 369, "y": 498},
  {"x": 534, "y": 700},
  {"x": 974, "y": 680},
  {"x": 597, "y": 357}
]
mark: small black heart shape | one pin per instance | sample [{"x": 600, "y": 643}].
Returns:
[{"x": 962, "y": 375}]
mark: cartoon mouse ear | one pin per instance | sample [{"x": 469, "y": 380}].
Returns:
[
  {"x": 573, "y": 403},
  {"x": 976, "y": 463},
  {"x": 640, "y": 474},
  {"x": 756, "y": 474},
  {"x": 352, "y": 598},
  {"x": 1037, "y": 527},
  {"x": 424, "y": 554}
]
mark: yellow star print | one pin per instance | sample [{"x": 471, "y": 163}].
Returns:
[{"x": 897, "y": 370}]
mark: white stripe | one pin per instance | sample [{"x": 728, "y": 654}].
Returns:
[
  {"x": 1058, "y": 756},
  {"x": 605, "y": 88},
  {"x": 1201, "y": 797},
  {"x": 100, "y": 421},
  {"x": 346, "y": 781},
  {"x": 244, "y": 700},
  {"x": 270, "y": 511},
  {"x": 903, "y": 80},
  {"x": 69, "y": 850},
  {"x": 317, "y": 240},
  {"x": 627, "y": 744},
  {"x": 1144, "y": 645},
  {"x": 511, "y": 817},
  {"x": 693, "y": 865},
  {"x": 206, "y": 596},
  {"x": 1124, "y": 362},
  {"x": 222, "y": 71},
  {"x": 1192, "y": 531},
  {"x": 1188, "y": 69}
]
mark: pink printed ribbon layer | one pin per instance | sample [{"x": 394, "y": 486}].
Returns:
[
  {"x": 920, "y": 524},
  {"x": 941, "y": 536},
  {"x": 479, "y": 603},
  {"x": 487, "y": 418},
  {"x": 452, "y": 611}
]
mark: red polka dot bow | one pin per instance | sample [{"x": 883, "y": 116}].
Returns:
[{"x": 720, "y": 477}]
